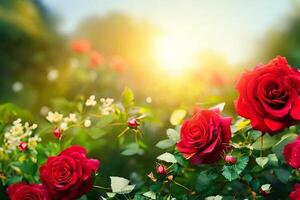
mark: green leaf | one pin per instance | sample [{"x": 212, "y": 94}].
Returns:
[
  {"x": 14, "y": 179},
  {"x": 219, "y": 106},
  {"x": 127, "y": 97},
  {"x": 96, "y": 133},
  {"x": 150, "y": 195},
  {"x": 164, "y": 144},
  {"x": 262, "y": 161},
  {"x": 120, "y": 185},
  {"x": 10, "y": 112},
  {"x": 110, "y": 194},
  {"x": 132, "y": 149},
  {"x": 105, "y": 121},
  {"x": 285, "y": 139},
  {"x": 268, "y": 142},
  {"x": 230, "y": 172},
  {"x": 282, "y": 174},
  {"x": 242, "y": 163},
  {"x": 167, "y": 157},
  {"x": 173, "y": 135},
  {"x": 273, "y": 160},
  {"x": 177, "y": 116}
]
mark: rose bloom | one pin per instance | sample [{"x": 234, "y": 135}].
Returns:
[
  {"x": 80, "y": 46},
  {"x": 295, "y": 195},
  {"x": 96, "y": 59},
  {"x": 291, "y": 153},
  {"x": 21, "y": 191},
  {"x": 270, "y": 96},
  {"x": 204, "y": 136},
  {"x": 70, "y": 174}
]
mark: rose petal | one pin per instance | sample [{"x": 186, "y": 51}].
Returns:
[{"x": 295, "y": 111}]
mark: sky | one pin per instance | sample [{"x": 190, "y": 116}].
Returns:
[{"x": 231, "y": 27}]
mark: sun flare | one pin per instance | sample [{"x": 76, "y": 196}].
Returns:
[{"x": 175, "y": 52}]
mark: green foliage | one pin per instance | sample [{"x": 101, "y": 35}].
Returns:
[{"x": 232, "y": 172}]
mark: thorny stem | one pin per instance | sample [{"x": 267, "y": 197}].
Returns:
[
  {"x": 182, "y": 186},
  {"x": 261, "y": 145},
  {"x": 123, "y": 132}
]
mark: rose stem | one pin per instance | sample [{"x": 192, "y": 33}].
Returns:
[{"x": 100, "y": 187}]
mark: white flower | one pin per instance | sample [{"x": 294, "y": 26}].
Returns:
[
  {"x": 54, "y": 117},
  {"x": 91, "y": 101},
  {"x": 218, "y": 197},
  {"x": 52, "y": 75},
  {"x": 64, "y": 126},
  {"x": 107, "y": 106},
  {"x": 71, "y": 118},
  {"x": 33, "y": 141},
  {"x": 18, "y": 133},
  {"x": 87, "y": 123},
  {"x": 17, "y": 86},
  {"x": 149, "y": 100},
  {"x": 44, "y": 110}
]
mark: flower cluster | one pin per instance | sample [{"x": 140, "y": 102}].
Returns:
[
  {"x": 95, "y": 59},
  {"x": 20, "y": 136},
  {"x": 67, "y": 176}
]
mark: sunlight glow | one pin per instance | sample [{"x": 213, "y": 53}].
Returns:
[{"x": 175, "y": 52}]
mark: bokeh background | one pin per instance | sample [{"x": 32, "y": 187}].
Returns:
[{"x": 171, "y": 53}]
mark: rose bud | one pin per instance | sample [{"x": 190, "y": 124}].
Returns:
[
  {"x": 133, "y": 123},
  {"x": 57, "y": 133},
  {"x": 22, "y": 146},
  {"x": 265, "y": 189},
  {"x": 161, "y": 169},
  {"x": 151, "y": 176},
  {"x": 230, "y": 159}
]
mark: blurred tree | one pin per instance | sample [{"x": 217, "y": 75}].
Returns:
[
  {"x": 29, "y": 45},
  {"x": 119, "y": 34},
  {"x": 284, "y": 39}
]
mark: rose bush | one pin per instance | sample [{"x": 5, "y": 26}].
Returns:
[
  {"x": 270, "y": 96},
  {"x": 70, "y": 174},
  {"x": 205, "y": 155}
]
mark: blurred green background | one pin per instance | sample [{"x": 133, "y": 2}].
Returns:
[{"x": 176, "y": 54}]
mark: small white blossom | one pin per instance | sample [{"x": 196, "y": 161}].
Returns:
[
  {"x": 33, "y": 141},
  {"x": 54, "y": 117},
  {"x": 107, "y": 106},
  {"x": 87, "y": 123},
  {"x": 52, "y": 75},
  {"x": 91, "y": 101},
  {"x": 71, "y": 118},
  {"x": 44, "y": 110},
  {"x": 18, "y": 133},
  {"x": 149, "y": 100},
  {"x": 17, "y": 86},
  {"x": 64, "y": 126}
]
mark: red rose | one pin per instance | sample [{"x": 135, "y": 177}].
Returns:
[
  {"x": 204, "y": 136},
  {"x": 295, "y": 195},
  {"x": 96, "y": 59},
  {"x": 70, "y": 174},
  {"x": 291, "y": 153},
  {"x": 21, "y": 191},
  {"x": 270, "y": 96},
  {"x": 80, "y": 46}
]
